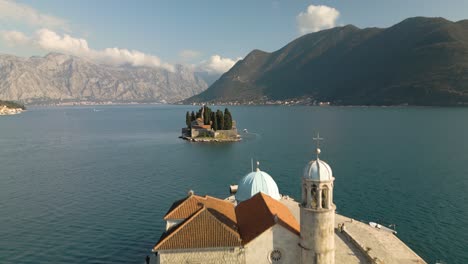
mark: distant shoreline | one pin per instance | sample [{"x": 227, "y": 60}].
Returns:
[
  {"x": 93, "y": 104},
  {"x": 233, "y": 104}
]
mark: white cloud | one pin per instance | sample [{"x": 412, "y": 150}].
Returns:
[
  {"x": 132, "y": 57},
  {"x": 13, "y": 11},
  {"x": 316, "y": 18},
  {"x": 14, "y": 38},
  {"x": 217, "y": 64},
  {"x": 49, "y": 40},
  {"x": 189, "y": 54}
]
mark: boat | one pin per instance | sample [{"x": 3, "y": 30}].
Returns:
[
  {"x": 381, "y": 227},
  {"x": 245, "y": 130}
]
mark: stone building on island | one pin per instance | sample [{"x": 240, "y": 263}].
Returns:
[
  {"x": 199, "y": 129},
  {"x": 202, "y": 129},
  {"x": 259, "y": 225}
]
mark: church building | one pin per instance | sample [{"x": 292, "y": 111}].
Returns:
[{"x": 259, "y": 225}]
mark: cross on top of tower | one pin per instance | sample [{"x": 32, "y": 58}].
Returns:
[{"x": 317, "y": 140}]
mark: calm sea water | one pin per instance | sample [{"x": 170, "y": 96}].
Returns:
[{"x": 79, "y": 186}]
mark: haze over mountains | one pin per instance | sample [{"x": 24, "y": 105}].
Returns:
[
  {"x": 58, "y": 78},
  {"x": 419, "y": 61}
]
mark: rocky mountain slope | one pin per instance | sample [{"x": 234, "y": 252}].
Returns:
[
  {"x": 62, "y": 78},
  {"x": 419, "y": 61}
]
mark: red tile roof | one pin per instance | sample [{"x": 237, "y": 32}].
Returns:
[
  {"x": 259, "y": 213},
  {"x": 204, "y": 229},
  {"x": 211, "y": 222},
  {"x": 183, "y": 209}
]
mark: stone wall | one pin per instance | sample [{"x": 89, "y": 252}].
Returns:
[
  {"x": 197, "y": 132},
  {"x": 277, "y": 237},
  {"x": 200, "y": 132},
  {"x": 208, "y": 256},
  {"x": 232, "y": 133}
]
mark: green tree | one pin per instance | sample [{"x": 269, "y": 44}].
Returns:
[
  {"x": 11, "y": 104},
  {"x": 192, "y": 116},
  {"x": 214, "y": 121},
  {"x": 220, "y": 119},
  {"x": 204, "y": 114},
  {"x": 188, "y": 120},
  {"x": 207, "y": 115},
  {"x": 227, "y": 119}
]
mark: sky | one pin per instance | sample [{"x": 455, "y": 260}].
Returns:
[{"x": 208, "y": 35}]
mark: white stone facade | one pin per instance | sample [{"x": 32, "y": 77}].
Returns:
[
  {"x": 259, "y": 250},
  {"x": 317, "y": 215},
  {"x": 199, "y": 256}
]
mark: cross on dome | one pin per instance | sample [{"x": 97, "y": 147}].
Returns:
[{"x": 317, "y": 140}]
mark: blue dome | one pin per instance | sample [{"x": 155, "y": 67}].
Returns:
[
  {"x": 255, "y": 182},
  {"x": 318, "y": 170}
]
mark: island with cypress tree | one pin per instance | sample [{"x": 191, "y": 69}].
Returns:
[
  {"x": 11, "y": 108},
  {"x": 207, "y": 125}
]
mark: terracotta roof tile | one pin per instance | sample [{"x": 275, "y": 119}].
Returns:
[
  {"x": 259, "y": 213},
  {"x": 204, "y": 229},
  {"x": 184, "y": 208},
  {"x": 211, "y": 222}
]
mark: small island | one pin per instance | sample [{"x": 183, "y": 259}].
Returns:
[
  {"x": 209, "y": 126},
  {"x": 11, "y": 108}
]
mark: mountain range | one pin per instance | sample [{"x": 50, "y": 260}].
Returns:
[
  {"x": 58, "y": 78},
  {"x": 419, "y": 61}
]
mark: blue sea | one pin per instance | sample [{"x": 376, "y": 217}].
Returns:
[{"x": 91, "y": 184}]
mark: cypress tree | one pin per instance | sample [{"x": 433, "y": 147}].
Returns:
[
  {"x": 187, "y": 119},
  {"x": 207, "y": 115},
  {"x": 214, "y": 122},
  {"x": 192, "y": 116},
  {"x": 204, "y": 115},
  {"x": 227, "y": 119},
  {"x": 220, "y": 119}
]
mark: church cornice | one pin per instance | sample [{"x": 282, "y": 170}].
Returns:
[{"x": 319, "y": 210}]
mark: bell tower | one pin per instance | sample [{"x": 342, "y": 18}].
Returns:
[{"x": 317, "y": 212}]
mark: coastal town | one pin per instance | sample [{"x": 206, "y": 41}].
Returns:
[
  {"x": 305, "y": 100},
  {"x": 11, "y": 108}
]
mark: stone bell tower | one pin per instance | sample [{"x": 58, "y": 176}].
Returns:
[{"x": 317, "y": 213}]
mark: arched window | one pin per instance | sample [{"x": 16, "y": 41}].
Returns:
[
  {"x": 313, "y": 194},
  {"x": 325, "y": 194}
]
